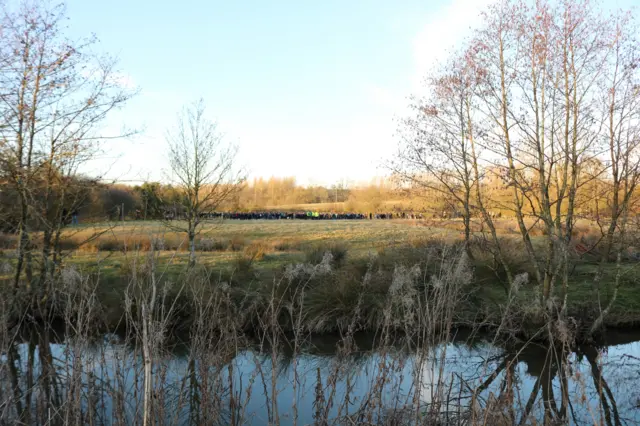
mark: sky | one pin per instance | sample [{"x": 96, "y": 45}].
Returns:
[{"x": 305, "y": 89}]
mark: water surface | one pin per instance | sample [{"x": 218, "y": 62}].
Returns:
[{"x": 462, "y": 380}]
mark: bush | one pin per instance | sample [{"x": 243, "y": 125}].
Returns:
[
  {"x": 282, "y": 246},
  {"x": 256, "y": 251},
  {"x": 315, "y": 254},
  {"x": 286, "y": 245},
  {"x": 487, "y": 263},
  {"x": 236, "y": 243},
  {"x": 243, "y": 264},
  {"x": 109, "y": 244},
  {"x": 68, "y": 244},
  {"x": 8, "y": 241},
  {"x": 158, "y": 244},
  {"x": 209, "y": 244}
]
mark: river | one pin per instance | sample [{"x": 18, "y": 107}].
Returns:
[{"x": 467, "y": 380}]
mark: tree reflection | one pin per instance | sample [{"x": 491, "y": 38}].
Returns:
[
  {"x": 44, "y": 382},
  {"x": 556, "y": 395}
]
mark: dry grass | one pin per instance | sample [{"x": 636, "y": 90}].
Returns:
[
  {"x": 271, "y": 243},
  {"x": 281, "y": 236}
]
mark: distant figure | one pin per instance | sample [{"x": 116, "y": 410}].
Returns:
[
  {"x": 74, "y": 217},
  {"x": 370, "y": 216}
]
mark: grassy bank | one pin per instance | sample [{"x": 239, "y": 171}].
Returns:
[{"x": 257, "y": 261}]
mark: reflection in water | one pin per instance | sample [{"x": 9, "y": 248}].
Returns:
[{"x": 44, "y": 381}]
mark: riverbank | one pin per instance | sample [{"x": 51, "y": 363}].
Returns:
[
  {"x": 332, "y": 291},
  {"x": 361, "y": 274}
]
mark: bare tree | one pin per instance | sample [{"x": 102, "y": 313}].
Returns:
[
  {"x": 203, "y": 166},
  {"x": 440, "y": 151},
  {"x": 55, "y": 93},
  {"x": 546, "y": 96},
  {"x": 544, "y": 67},
  {"x": 436, "y": 149},
  {"x": 620, "y": 100}
]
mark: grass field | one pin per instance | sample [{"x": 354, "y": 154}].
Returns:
[
  {"x": 276, "y": 240},
  {"x": 267, "y": 243},
  {"x": 267, "y": 246},
  {"x": 254, "y": 254}
]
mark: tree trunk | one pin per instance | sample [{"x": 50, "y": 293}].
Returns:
[
  {"x": 192, "y": 246},
  {"x": 148, "y": 344},
  {"x": 467, "y": 223},
  {"x": 23, "y": 242},
  {"x": 24, "y": 261},
  {"x": 479, "y": 200},
  {"x": 45, "y": 267}
]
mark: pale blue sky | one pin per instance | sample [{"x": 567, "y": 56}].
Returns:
[{"x": 306, "y": 89}]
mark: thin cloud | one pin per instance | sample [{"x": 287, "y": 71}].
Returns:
[{"x": 445, "y": 31}]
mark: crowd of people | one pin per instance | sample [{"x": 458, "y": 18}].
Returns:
[
  {"x": 315, "y": 215},
  {"x": 309, "y": 215},
  {"x": 270, "y": 215}
]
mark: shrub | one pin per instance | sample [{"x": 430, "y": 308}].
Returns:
[
  {"x": 286, "y": 245},
  {"x": 206, "y": 244},
  {"x": 8, "y": 241},
  {"x": 256, "y": 251},
  {"x": 282, "y": 246},
  {"x": 109, "y": 244},
  {"x": 315, "y": 253},
  {"x": 158, "y": 244},
  {"x": 5, "y": 268},
  {"x": 487, "y": 263},
  {"x": 175, "y": 242},
  {"x": 68, "y": 244},
  {"x": 243, "y": 263},
  {"x": 220, "y": 245},
  {"x": 236, "y": 243}
]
